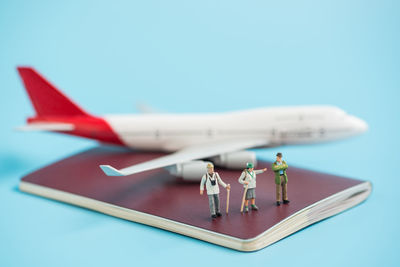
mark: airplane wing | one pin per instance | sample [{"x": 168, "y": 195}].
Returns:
[
  {"x": 187, "y": 154},
  {"x": 46, "y": 126}
]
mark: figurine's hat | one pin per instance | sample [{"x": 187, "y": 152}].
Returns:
[
  {"x": 209, "y": 165},
  {"x": 250, "y": 165}
]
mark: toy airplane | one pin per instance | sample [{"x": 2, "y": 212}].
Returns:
[{"x": 189, "y": 138}]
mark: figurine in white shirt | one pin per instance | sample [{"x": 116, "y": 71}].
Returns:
[
  {"x": 248, "y": 178},
  {"x": 211, "y": 180}
]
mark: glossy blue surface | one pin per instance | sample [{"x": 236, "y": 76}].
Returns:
[{"x": 185, "y": 56}]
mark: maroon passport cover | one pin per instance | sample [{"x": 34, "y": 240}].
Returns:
[{"x": 158, "y": 193}]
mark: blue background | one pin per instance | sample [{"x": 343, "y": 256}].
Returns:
[{"x": 195, "y": 56}]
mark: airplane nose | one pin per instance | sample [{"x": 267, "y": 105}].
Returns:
[{"x": 359, "y": 125}]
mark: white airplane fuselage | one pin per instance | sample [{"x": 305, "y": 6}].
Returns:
[
  {"x": 278, "y": 125},
  {"x": 222, "y": 138}
]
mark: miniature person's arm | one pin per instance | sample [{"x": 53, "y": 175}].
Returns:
[
  {"x": 242, "y": 178},
  {"x": 203, "y": 180},
  {"x": 222, "y": 182},
  {"x": 260, "y": 171},
  {"x": 285, "y": 164},
  {"x": 276, "y": 167}
]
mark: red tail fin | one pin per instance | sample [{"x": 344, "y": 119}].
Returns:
[{"x": 46, "y": 98}]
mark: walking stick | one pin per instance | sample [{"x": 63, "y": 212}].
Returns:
[
  {"x": 227, "y": 200},
  {"x": 244, "y": 197}
]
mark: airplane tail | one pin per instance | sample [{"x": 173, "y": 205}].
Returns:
[
  {"x": 56, "y": 112},
  {"x": 46, "y": 98}
]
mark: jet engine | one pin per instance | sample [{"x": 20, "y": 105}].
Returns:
[
  {"x": 235, "y": 160},
  {"x": 189, "y": 171}
]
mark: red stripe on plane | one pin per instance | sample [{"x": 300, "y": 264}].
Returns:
[{"x": 85, "y": 126}]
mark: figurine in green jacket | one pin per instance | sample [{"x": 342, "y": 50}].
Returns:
[{"x": 279, "y": 168}]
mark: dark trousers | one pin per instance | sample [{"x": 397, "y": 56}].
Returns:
[{"x": 281, "y": 189}]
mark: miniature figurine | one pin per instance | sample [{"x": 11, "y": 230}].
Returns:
[
  {"x": 211, "y": 179},
  {"x": 279, "y": 167},
  {"x": 228, "y": 191},
  {"x": 248, "y": 179}
]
